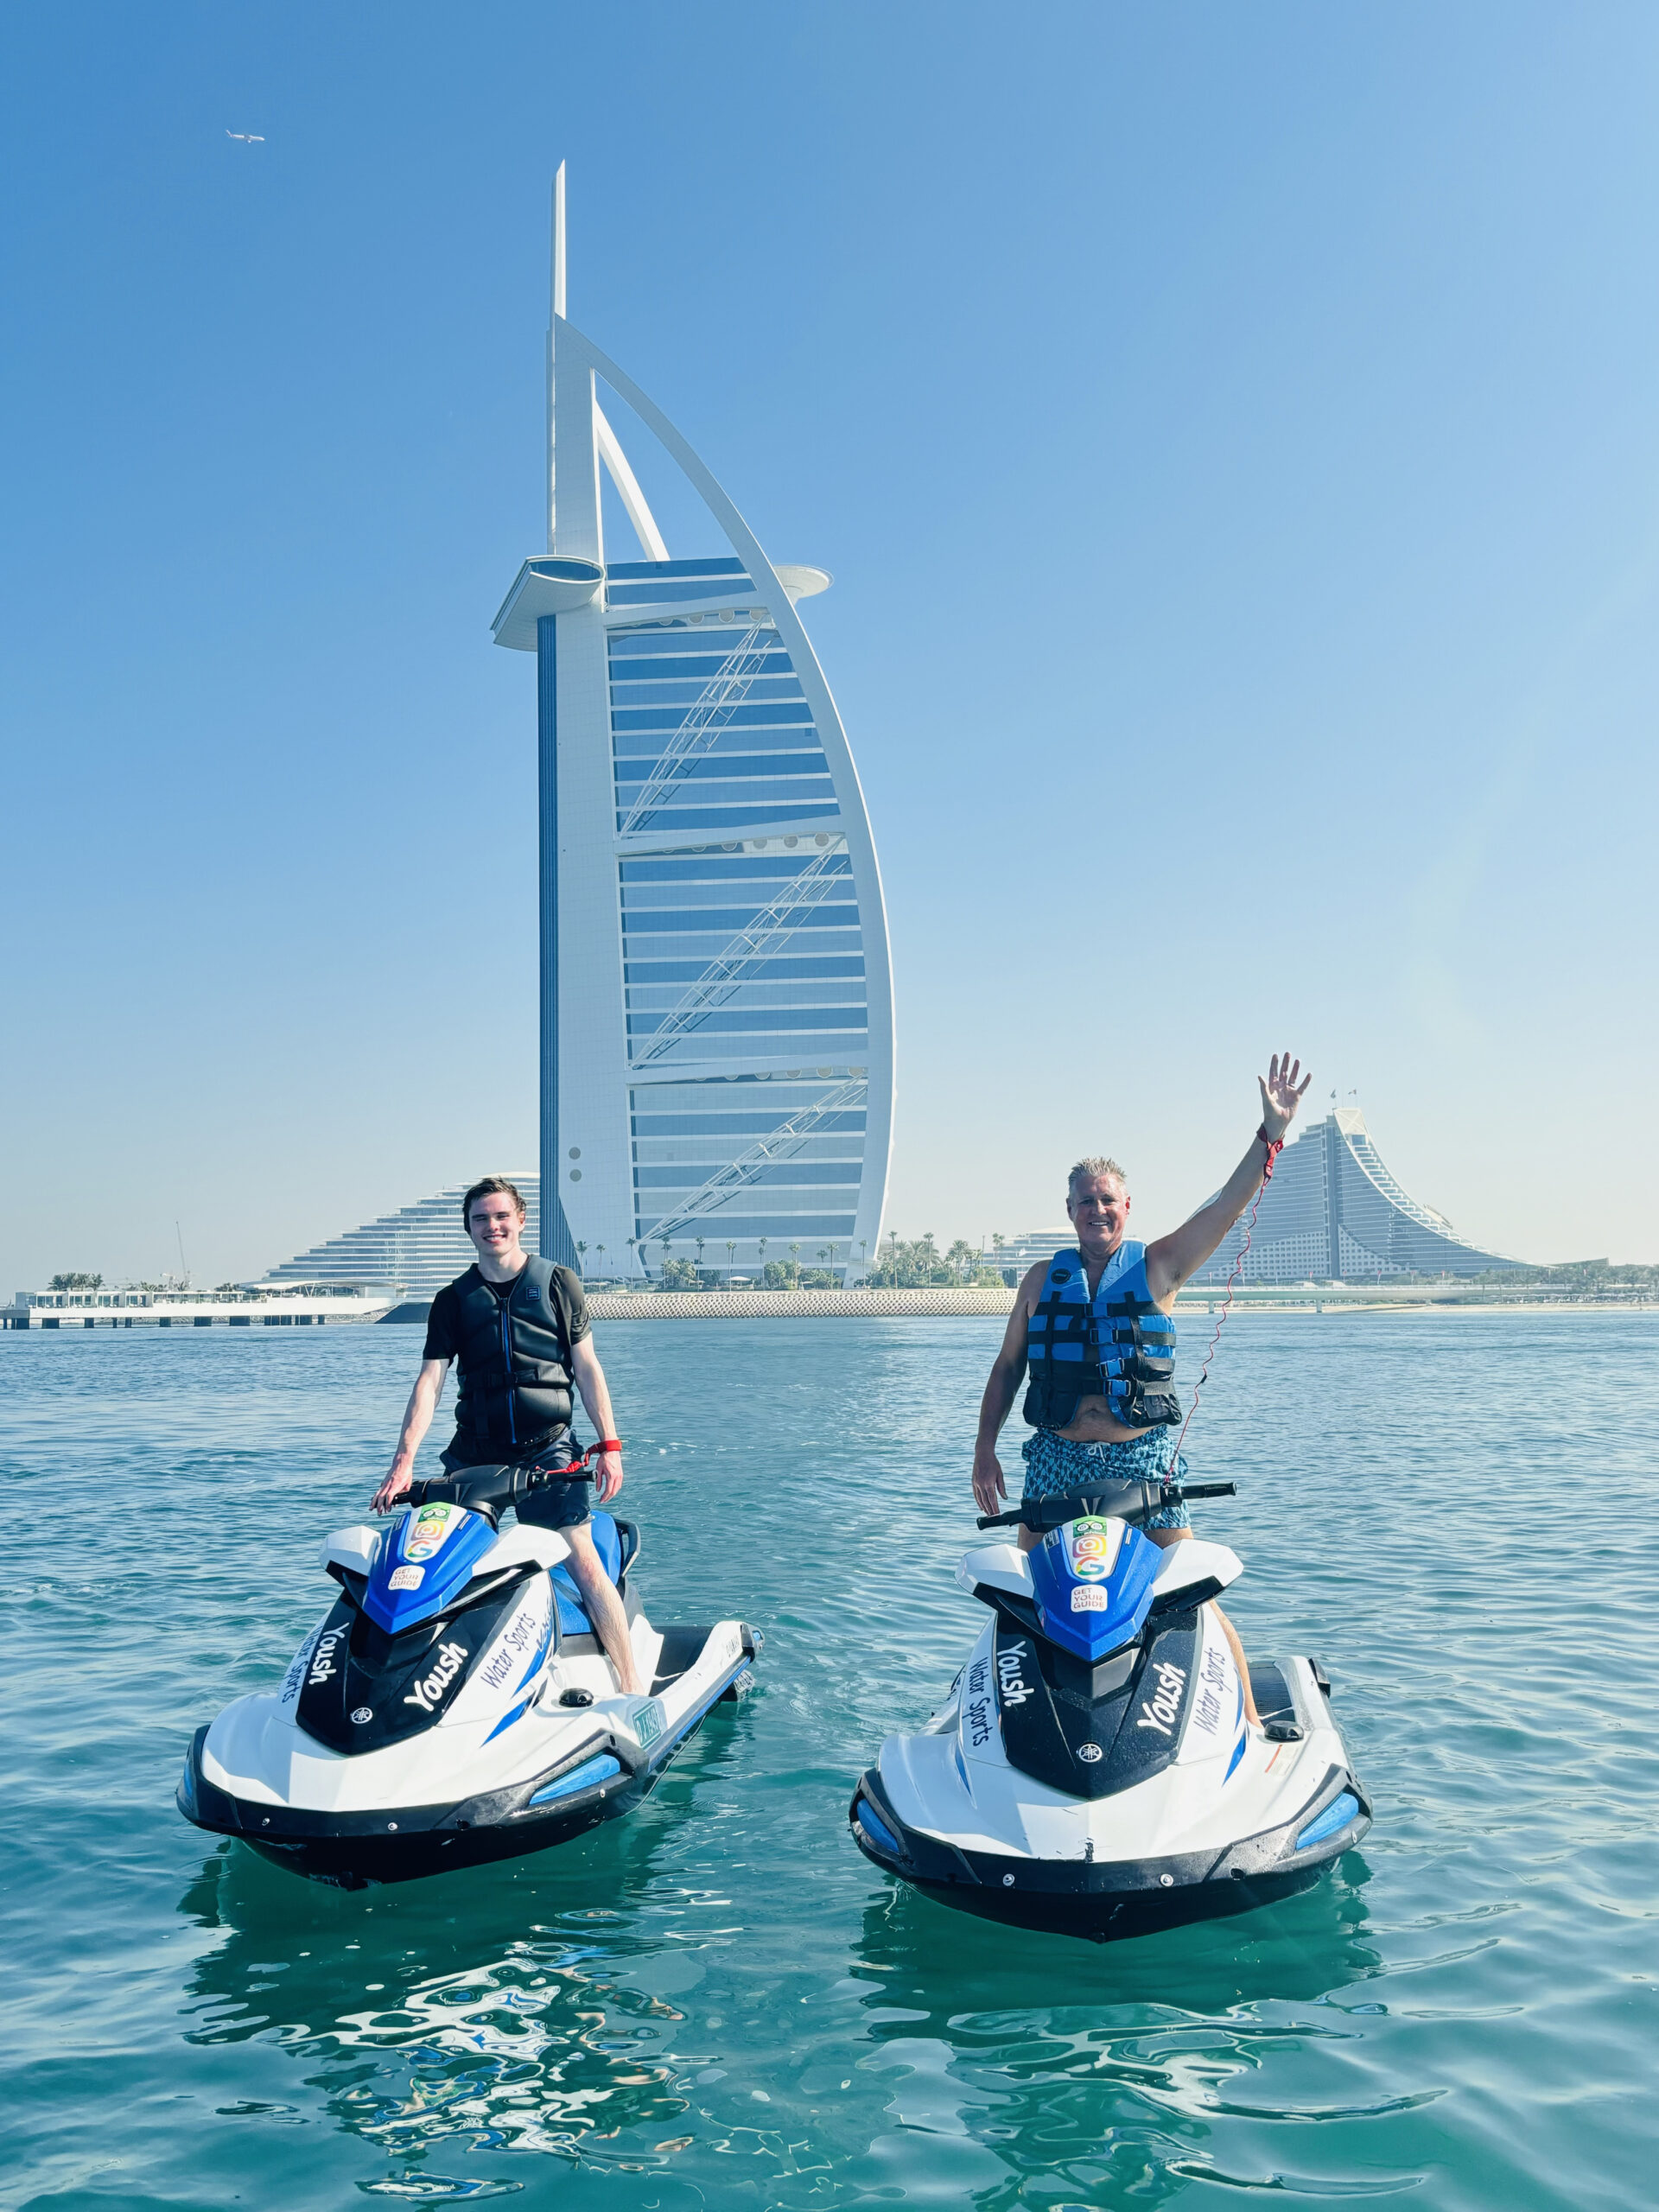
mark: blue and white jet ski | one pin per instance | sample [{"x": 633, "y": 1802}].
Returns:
[
  {"x": 454, "y": 1705},
  {"x": 1091, "y": 1770}
]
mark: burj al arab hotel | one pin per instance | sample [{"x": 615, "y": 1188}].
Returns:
[{"x": 716, "y": 1000}]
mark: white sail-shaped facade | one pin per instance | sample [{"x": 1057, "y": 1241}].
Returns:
[
  {"x": 717, "y": 1016},
  {"x": 1334, "y": 1212}
]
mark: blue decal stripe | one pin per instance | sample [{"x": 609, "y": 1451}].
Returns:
[
  {"x": 541, "y": 1649},
  {"x": 1238, "y": 1753},
  {"x": 507, "y": 1719}
]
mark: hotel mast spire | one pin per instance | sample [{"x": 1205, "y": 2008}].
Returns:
[{"x": 555, "y": 316}]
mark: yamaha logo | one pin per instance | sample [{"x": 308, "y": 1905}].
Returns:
[
  {"x": 362, "y": 1713},
  {"x": 1088, "y": 1753}
]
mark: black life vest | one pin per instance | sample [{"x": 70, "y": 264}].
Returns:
[
  {"x": 1115, "y": 1345},
  {"x": 514, "y": 1358}
]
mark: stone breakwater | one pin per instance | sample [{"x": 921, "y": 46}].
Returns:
[{"x": 788, "y": 1304}]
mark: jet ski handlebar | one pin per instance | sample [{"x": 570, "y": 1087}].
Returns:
[
  {"x": 486, "y": 1490},
  {"x": 1123, "y": 1500}
]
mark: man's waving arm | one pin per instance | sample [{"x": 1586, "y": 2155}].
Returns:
[{"x": 1175, "y": 1259}]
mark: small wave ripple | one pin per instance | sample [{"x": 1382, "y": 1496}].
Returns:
[{"x": 719, "y": 2003}]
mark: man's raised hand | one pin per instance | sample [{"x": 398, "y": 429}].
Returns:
[{"x": 1280, "y": 1095}]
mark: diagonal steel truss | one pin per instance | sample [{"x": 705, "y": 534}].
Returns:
[
  {"x": 722, "y": 694},
  {"x": 783, "y": 1143},
  {"x": 752, "y": 945}
]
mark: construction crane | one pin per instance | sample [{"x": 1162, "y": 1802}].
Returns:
[
  {"x": 717, "y": 702},
  {"x": 784, "y": 1143},
  {"x": 752, "y": 945}
]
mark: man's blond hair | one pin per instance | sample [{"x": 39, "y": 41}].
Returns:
[{"x": 1094, "y": 1165}]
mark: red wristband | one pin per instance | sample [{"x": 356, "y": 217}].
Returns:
[{"x": 608, "y": 1444}]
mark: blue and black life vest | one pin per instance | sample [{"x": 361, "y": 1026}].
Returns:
[
  {"x": 1116, "y": 1345},
  {"x": 514, "y": 1355}
]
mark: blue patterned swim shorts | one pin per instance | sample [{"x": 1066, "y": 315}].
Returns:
[{"x": 1056, "y": 1466}]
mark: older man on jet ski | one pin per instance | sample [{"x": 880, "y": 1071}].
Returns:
[
  {"x": 1105, "y": 1417},
  {"x": 517, "y": 1412}
]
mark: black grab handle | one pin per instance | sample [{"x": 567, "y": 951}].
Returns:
[
  {"x": 489, "y": 1489},
  {"x": 1108, "y": 1498}
]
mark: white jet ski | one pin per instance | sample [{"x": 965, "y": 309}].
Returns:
[
  {"x": 1091, "y": 1771},
  {"x": 454, "y": 1705}
]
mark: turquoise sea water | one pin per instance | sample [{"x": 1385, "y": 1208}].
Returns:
[{"x": 719, "y": 2002}]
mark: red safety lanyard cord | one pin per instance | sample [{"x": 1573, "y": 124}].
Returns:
[
  {"x": 596, "y": 1450},
  {"x": 1276, "y": 1145}
]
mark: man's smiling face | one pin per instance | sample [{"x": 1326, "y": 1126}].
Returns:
[
  {"x": 494, "y": 1225},
  {"x": 1099, "y": 1208}
]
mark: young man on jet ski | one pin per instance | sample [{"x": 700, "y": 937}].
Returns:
[
  {"x": 517, "y": 1413},
  {"x": 1093, "y": 1327}
]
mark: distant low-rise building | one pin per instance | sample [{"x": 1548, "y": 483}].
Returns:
[
  {"x": 416, "y": 1250},
  {"x": 1013, "y": 1255},
  {"x": 296, "y": 1304}
]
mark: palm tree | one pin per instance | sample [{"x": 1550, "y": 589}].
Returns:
[
  {"x": 763, "y": 1242},
  {"x": 863, "y": 1257},
  {"x": 633, "y": 1241},
  {"x": 700, "y": 1242},
  {"x": 600, "y": 1248},
  {"x": 731, "y": 1257},
  {"x": 582, "y": 1253}
]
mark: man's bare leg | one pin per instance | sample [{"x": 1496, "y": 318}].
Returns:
[{"x": 605, "y": 1608}]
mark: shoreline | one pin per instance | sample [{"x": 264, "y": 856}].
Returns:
[{"x": 894, "y": 1304}]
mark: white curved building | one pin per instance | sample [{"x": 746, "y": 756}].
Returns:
[
  {"x": 716, "y": 1002},
  {"x": 416, "y": 1250},
  {"x": 1334, "y": 1212}
]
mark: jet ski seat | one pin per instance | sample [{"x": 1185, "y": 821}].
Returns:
[{"x": 617, "y": 1543}]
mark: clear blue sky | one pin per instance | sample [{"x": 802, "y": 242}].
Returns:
[{"x": 1235, "y": 434}]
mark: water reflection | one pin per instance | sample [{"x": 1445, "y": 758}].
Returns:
[
  {"x": 1103, "y": 2070},
  {"x": 529, "y": 2006}
]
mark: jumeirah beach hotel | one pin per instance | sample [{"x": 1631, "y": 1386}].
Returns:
[{"x": 716, "y": 1003}]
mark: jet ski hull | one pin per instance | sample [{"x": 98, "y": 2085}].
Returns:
[
  {"x": 1107, "y": 1899},
  {"x": 1151, "y": 1805},
  {"x": 406, "y": 1843},
  {"x": 454, "y": 1706},
  {"x": 599, "y": 1780}
]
